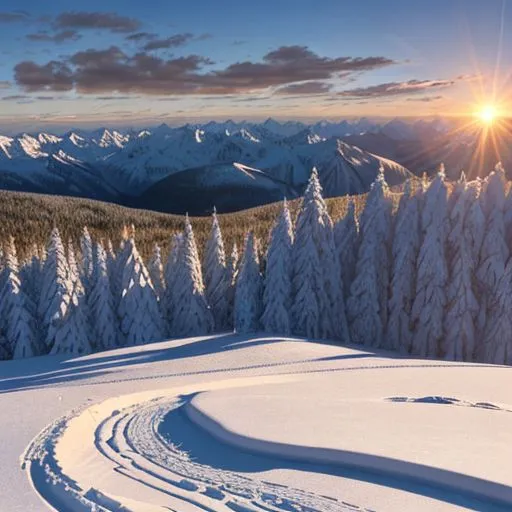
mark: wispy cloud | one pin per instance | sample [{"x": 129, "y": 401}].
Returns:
[
  {"x": 305, "y": 88},
  {"x": 396, "y": 88},
  {"x": 59, "y": 37},
  {"x": 14, "y": 17},
  {"x": 97, "y": 20},
  {"x": 168, "y": 42}
]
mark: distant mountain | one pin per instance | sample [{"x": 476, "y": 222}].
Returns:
[{"x": 232, "y": 165}]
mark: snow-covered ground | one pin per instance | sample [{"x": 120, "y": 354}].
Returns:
[{"x": 253, "y": 424}]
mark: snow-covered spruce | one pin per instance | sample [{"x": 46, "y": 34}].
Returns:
[
  {"x": 232, "y": 268},
  {"x": 459, "y": 340},
  {"x": 86, "y": 268},
  {"x": 166, "y": 302},
  {"x": 346, "y": 238},
  {"x": 247, "y": 310},
  {"x": 191, "y": 314},
  {"x": 121, "y": 259},
  {"x": 430, "y": 302},
  {"x": 17, "y": 325},
  {"x": 277, "y": 294},
  {"x": 368, "y": 301},
  {"x": 216, "y": 276},
  {"x": 494, "y": 252},
  {"x": 103, "y": 316},
  {"x": 156, "y": 271},
  {"x": 318, "y": 307},
  {"x": 404, "y": 255},
  {"x": 138, "y": 311}
]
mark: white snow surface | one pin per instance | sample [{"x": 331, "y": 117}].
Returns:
[{"x": 324, "y": 428}]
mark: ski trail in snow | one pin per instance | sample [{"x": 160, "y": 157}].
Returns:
[{"x": 130, "y": 440}]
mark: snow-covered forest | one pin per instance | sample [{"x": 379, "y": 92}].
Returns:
[{"x": 431, "y": 278}]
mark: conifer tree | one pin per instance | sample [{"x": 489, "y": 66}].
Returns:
[
  {"x": 216, "y": 276},
  {"x": 102, "y": 306},
  {"x": 111, "y": 266},
  {"x": 156, "y": 271},
  {"x": 16, "y": 313},
  {"x": 368, "y": 301},
  {"x": 459, "y": 340},
  {"x": 247, "y": 310},
  {"x": 121, "y": 259},
  {"x": 167, "y": 304},
  {"x": 232, "y": 274},
  {"x": 346, "y": 238},
  {"x": 318, "y": 307},
  {"x": 277, "y": 281},
  {"x": 87, "y": 267},
  {"x": 191, "y": 315},
  {"x": 404, "y": 255},
  {"x": 429, "y": 305},
  {"x": 138, "y": 310}
]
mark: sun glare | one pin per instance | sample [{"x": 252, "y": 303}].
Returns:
[{"x": 487, "y": 114}]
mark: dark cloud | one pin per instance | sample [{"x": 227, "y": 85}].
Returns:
[
  {"x": 169, "y": 42},
  {"x": 58, "y": 37},
  {"x": 15, "y": 97},
  {"x": 305, "y": 88},
  {"x": 14, "y": 16},
  {"x": 141, "y": 36},
  {"x": 4, "y": 84},
  {"x": 114, "y": 98},
  {"x": 426, "y": 99},
  {"x": 112, "y": 70},
  {"x": 396, "y": 88},
  {"x": 97, "y": 20}
]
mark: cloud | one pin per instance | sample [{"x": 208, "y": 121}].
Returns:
[
  {"x": 396, "y": 88},
  {"x": 305, "y": 88},
  {"x": 114, "y": 98},
  {"x": 5, "y": 84},
  {"x": 13, "y": 16},
  {"x": 15, "y": 97},
  {"x": 59, "y": 37},
  {"x": 141, "y": 36},
  {"x": 426, "y": 99},
  {"x": 169, "y": 42},
  {"x": 114, "y": 71},
  {"x": 97, "y": 20}
]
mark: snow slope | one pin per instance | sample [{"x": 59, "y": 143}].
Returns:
[{"x": 110, "y": 431}]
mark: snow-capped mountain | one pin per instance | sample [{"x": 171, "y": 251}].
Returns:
[{"x": 208, "y": 164}]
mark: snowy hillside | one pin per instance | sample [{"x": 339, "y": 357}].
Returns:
[
  {"x": 123, "y": 167},
  {"x": 159, "y": 428}
]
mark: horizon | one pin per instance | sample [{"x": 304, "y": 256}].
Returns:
[{"x": 133, "y": 66}]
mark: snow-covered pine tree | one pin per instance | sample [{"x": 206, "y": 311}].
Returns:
[
  {"x": 429, "y": 307},
  {"x": 496, "y": 346},
  {"x": 16, "y": 313},
  {"x": 171, "y": 265},
  {"x": 459, "y": 339},
  {"x": 111, "y": 266},
  {"x": 404, "y": 255},
  {"x": 318, "y": 307},
  {"x": 216, "y": 276},
  {"x": 31, "y": 275},
  {"x": 277, "y": 294},
  {"x": 191, "y": 314},
  {"x": 247, "y": 309},
  {"x": 368, "y": 301},
  {"x": 494, "y": 252},
  {"x": 156, "y": 271},
  {"x": 87, "y": 266},
  {"x": 55, "y": 288},
  {"x": 346, "y": 238},
  {"x": 101, "y": 304},
  {"x": 122, "y": 255},
  {"x": 231, "y": 276},
  {"x": 71, "y": 332},
  {"x": 138, "y": 311}
]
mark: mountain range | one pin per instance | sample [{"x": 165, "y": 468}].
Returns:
[{"x": 229, "y": 165}]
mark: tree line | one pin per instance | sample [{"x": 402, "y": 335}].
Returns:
[{"x": 431, "y": 278}]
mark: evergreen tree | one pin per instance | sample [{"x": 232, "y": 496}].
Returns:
[
  {"x": 16, "y": 314},
  {"x": 31, "y": 275},
  {"x": 432, "y": 274},
  {"x": 231, "y": 276},
  {"x": 87, "y": 267},
  {"x": 191, "y": 315},
  {"x": 346, "y": 237},
  {"x": 405, "y": 248},
  {"x": 102, "y": 306},
  {"x": 122, "y": 256},
  {"x": 459, "y": 341},
  {"x": 494, "y": 251},
  {"x": 247, "y": 309},
  {"x": 156, "y": 271},
  {"x": 111, "y": 266},
  {"x": 368, "y": 301},
  {"x": 167, "y": 304},
  {"x": 277, "y": 281},
  {"x": 318, "y": 307},
  {"x": 138, "y": 310},
  {"x": 216, "y": 277}
]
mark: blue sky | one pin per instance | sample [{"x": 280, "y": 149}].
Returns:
[{"x": 148, "y": 62}]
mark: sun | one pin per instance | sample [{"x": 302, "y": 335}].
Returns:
[{"x": 487, "y": 114}]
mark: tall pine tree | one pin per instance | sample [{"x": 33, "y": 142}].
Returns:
[{"x": 156, "y": 271}]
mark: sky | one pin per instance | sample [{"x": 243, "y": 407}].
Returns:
[{"x": 121, "y": 63}]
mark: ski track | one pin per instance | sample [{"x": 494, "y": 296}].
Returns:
[{"x": 130, "y": 438}]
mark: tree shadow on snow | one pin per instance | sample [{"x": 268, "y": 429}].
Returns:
[{"x": 48, "y": 371}]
